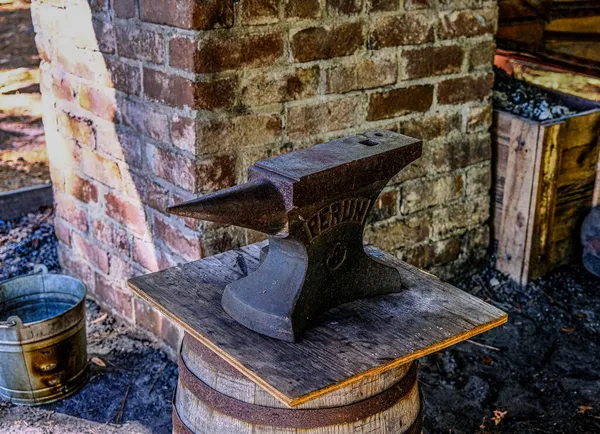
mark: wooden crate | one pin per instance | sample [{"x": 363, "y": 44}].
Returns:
[{"x": 544, "y": 185}]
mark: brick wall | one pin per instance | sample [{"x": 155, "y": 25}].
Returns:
[{"x": 150, "y": 102}]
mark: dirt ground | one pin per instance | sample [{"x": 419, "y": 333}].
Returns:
[
  {"x": 23, "y": 159},
  {"x": 539, "y": 373}
]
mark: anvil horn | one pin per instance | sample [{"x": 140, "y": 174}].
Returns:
[{"x": 255, "y": 205}]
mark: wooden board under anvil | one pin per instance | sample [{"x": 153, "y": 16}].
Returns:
[{"x": 362, "y": 337}]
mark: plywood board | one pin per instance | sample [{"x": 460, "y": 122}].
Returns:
[{"x": 366, "y": 336}]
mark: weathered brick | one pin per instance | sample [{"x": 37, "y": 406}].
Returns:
[
  {"x": 188, "y": 14},
  {"x": 124, "y": 77},
  {"x": 220, "y": 52},
  {"x": 458, "y": 217},
  {"x": 406, "y": 29},
  {"x": 479, "y": 118},
  {"x": 70, "y": 210},
  {"x": 123, "y": 146},
  {"x": 75, "y": 127},
  {"x": 146, "y": 316},
  {"x": 461, "y": 152},
  {"x": 375, "y": 71},
  {"x": 109, "y": 291},
  {"x": 265, "y": 88},
  {"x": 62, "y": 231},
  {"x": 99, "y": 101},
  {"x": 145, "y": 253},
  {"x": 63, "y": 86},
  {"x": 101, "y": 169},
  {"x": 111, "y": 235},
  {"x": 431, "y": 61},
  {"x": 259, "y": 11},
  {"x": 418, "y": 195},
  {"x": 77, "y": 266},
  {"x": 479, "y": 179},
  {"x": 171, "y": 333},
  {"x": 427, "y": 255},
  {"x": 226, "y": 134},
  {"x": 183, "y": 133},
  {"x": 385, "y": 206},
  {"x": 216, "y": 172},
  {"x": 140, "y": 44},
  {"x": 344, "y": 7},
  {"x": 399, "y": 102},
  {"x": 185, "y": 245},
  {"x": 322, "y": 117},
  {"x": 482, "y": 55},
  {"x": 183, "y": 52},
  {"x": 120, "y": 269},
  {"x": 82, "y": 189},
  {"x": 397, "y": 234},
  {"x": 180, "y": 92},
  {"x": 461, "y": 90},
  {"x": 95, "y": 254},
  {"x": 327, "y": 42},
  {"x": 124, "y": 8},
  {"x": 126, "y": 212},
  {"x": 382, "y": 5},
  {"x": 302, "y": 9},
  {"x": 430, "y": 127},
  {"x": 139, "y": 187},
  {"x": 145, "y": 121},
  {"x": 468, "y": 23},
  {"x": 170, "y": 166}
]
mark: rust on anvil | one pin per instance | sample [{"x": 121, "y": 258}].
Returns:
[{"x": 313, "y": 203}]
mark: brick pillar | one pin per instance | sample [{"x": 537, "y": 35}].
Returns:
[{"x": 151, "y": 102}]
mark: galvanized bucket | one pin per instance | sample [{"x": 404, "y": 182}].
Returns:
[{"x": 43, "y": 355}]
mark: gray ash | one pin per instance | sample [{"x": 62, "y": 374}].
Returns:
[
  {"x": 25, "y": 242},
  {"x": 525, "y": 100}
]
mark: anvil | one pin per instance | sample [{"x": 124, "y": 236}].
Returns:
[{"x": 313, "y": 204}]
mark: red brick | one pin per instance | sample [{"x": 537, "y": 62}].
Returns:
[
  {"x": 110, "y": 293},
  {"x": 121, "y": 269},
  {"x": 461, "y": 90},
  {"x": 259, "y": 11},
  {"x": 431, "y": 127},
  {"x": 100, "y": 101},
  {"x": 266, "y": 88},
  {"x": 95, "y": 5},
  {"x": 227, "y": 134},
  {"x": 183, "y": 133},
  {"x": 468, "y": 23},
  {"x": 101, "y": 169},
  {"x": 81, "y": 189},
  {"x": 188, "y": 14},
  {"x": 146, "y": 317},
  {"x": 186, "y": 246},
  {"x": 62, "y": 231},
  {"x": 215, "y": 173},
  {"x": 171, "y": 333},
  {"x": 147, "y": 191},
  {"x": 124, "y": 77},
  {"x": 399, "y": 102},
  {"x": 76, "y": 265},
  {"x": 221, "y": 52},
  {"x": 93, "y": 253},
  {"x": 382, "y": 5},
  {"x": 407, "y": 29},
  {"x": 344, "y": 7},
  {"x": 124, "y": 8},
  {"x": 183, "y": 52},
  {"x": 427, "y": 62},
  {"x": 122, "y": 146},
  {"x": 70, "y": 210},
  {"x": 317, "y": 118},
  {"x": 427, "y": 255},
  {"x": 102, "y": 36},
  {"x": 482, "y": 55},
  {"x": 63, "y": 86},
  {"x": 479, "y": 118},
  {"x": 302, "y": 9},
  {"x": 139, "y": 44},
  {"x": 145, "y": 254},
  {"x": 327, "y": 42},
  {"x": 75, "y": 127},
  {"x": 175, "y": 168},
  {"x": 145, "y": 121},
  {"x": 110, "y": 234},
  {"x": 127, "y": 213},
  {"x": 180, "y": 92},
  {"x": 374, "y": 71}
]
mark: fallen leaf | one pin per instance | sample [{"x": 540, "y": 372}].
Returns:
[
  {"x": 98, "y": 361},
  {"x": 584, "y": 408},
  {"x": 498, "y": 416},
  {"x": 487, "y": 360},
  {"x": 568, "y": 329},
  {"x": 100, "y": 319}
]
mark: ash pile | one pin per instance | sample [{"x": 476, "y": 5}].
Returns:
[{"x": 525, "y": 100}]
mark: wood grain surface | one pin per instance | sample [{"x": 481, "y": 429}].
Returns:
[{"x": 353, "y": 340}]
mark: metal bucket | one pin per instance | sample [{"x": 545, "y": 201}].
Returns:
[{"x": 43, "y": 355}]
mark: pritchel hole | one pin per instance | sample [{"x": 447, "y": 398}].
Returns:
[{"x": 369, "y": 143}]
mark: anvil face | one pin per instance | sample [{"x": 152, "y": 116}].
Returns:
[{"x": 313, "y": 203}]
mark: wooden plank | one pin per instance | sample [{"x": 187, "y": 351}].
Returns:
[
  {"x": 353, "y": 340},
  {"x": 519, "y": 184}
]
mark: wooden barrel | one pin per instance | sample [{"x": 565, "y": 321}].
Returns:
[{"x": 214, "y": 398}]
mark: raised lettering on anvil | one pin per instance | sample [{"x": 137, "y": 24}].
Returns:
[{"x": 352, "y": 210}]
